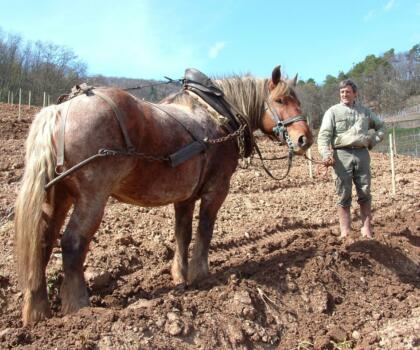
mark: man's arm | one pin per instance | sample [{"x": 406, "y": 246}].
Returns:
[{"x": 325, "y": 135}]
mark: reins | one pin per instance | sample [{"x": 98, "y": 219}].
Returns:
[{"x": 289, "y": 163}]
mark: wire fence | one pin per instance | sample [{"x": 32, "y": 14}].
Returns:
[
  {"x": 406, "y": 141},
  {"x": 29, "y": 98}
]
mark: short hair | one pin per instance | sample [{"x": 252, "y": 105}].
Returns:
[{"x": 348, "y": 82}]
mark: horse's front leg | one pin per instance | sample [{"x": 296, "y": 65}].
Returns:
[
  {"x": 210, "y": 205},
  {"x": 183, "y": 231}
]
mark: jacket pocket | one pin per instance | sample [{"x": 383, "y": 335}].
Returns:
[{"x": 340, "y": 124}]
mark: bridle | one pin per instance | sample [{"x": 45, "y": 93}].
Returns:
[{"x": 280, "y": 131}]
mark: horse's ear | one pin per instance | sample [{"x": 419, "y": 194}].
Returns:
[
  {"x": 275, "y": 77},
  {"x": 295, "y": 79}
]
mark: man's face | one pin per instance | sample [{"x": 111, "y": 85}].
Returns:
[{"x": 347, "y": 95}]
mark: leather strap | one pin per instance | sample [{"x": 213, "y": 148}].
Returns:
[
  {"x": 118, "y": 114},
  {"x": 60, "y": 145},
  {"x": 120, "y": 118}
]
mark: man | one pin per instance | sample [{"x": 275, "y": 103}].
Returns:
[{"x": 347, "y": 131}]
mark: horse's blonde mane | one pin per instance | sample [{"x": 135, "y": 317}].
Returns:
[{"x": 246, "y": 93}]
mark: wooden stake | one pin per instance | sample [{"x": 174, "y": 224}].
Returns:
[
  {"x": 20, "y": 101},
  {"x": 309, "y": 154},
  {"x": 394, "y": 143},
  {"x": 391, "y": 156},
  {"x": 29, "y": 98},
  {"x": 43, "y": 103}
]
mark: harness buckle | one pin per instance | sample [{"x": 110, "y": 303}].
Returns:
[{"x": 279, "y": 130}]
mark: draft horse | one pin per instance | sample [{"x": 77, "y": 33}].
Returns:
[{"x": 155, "y": 130}]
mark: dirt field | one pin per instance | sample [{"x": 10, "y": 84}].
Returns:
[{"x": 280, "y": 278}]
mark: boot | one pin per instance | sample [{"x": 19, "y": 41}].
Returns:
[
  {"x": 366, "y": 216},
  {"x": 345, "y": 221}
]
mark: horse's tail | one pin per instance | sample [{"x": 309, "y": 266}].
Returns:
[{"x": 33, "y": 204}]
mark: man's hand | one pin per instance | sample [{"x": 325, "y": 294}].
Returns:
[{"x": 330, "y": 161}]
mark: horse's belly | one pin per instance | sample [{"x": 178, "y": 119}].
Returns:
[{"x": 157, "y": 185}]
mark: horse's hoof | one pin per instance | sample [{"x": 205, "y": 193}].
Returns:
[
  {"x": 31, "y": 317},
  {"x": 181, "y": 287},
  {"x": 195, "y": 278}
]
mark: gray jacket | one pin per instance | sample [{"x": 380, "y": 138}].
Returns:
[{"x": 344, "y": 126}]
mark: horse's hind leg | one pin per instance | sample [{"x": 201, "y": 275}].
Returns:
[
  {"x": 183, "y": 231},
  {"x": 35, "y": 305},
  {"x": 84, "y": 222},
  {"x": 210, "y": 205}
]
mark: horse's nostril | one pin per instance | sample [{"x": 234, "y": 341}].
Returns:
[{"x": 302, "y": 141}]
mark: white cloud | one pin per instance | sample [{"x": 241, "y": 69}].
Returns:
[
  {"x": 369, "y": 16},
  {"x": 389, "y": 5},
  {"x": 216, "y": 48}
]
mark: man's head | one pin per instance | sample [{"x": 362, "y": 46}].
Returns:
[{"x": 348, "y": 92}]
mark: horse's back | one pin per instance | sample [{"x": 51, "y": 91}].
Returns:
[{"x": 155, "y": 131}]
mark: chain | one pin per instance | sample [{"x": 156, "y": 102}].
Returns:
[{"x": 236, "y": 133}]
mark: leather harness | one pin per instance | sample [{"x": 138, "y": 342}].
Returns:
[
  {"x": 201, "y": 85},
  {"x": 198, "y": 83}
]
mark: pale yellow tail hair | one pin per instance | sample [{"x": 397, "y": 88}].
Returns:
[{"x": 33, "y": 199}]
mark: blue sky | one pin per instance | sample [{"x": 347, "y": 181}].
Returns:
[{"x": 150, "y": 39}]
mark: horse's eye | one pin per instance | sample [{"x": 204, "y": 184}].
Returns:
[{"x": 280, "y": 101}]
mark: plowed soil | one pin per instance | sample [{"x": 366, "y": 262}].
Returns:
[{"x": 280, "y": 277}]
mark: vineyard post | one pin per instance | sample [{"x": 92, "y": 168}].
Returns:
[
  {"x": 394, "y": 144},
  {"x": 20, "y": 101},
  {"x": 309, "y": 154},
  {"x": 29, "y": 98},
  {"x": 391, "y": 156},
  {"x": 43, "y": 103}
]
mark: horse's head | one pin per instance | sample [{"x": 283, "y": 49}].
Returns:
[{"x": 282, "y": 118}]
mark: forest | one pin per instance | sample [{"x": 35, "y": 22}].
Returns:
[{"x": 388, "y": 82}]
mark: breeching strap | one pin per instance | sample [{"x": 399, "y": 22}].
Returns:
[
  {"x": 118, "y": 114},
  {"x": 120, "y": 118}
]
